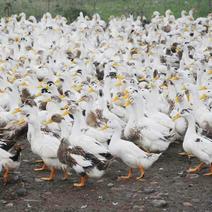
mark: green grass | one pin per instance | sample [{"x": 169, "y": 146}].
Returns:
[{"x": 106, "y": 8}]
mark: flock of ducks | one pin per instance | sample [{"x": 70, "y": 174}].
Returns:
[{"x": 86, "y": 92}]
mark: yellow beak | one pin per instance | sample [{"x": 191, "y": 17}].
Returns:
[
  {"x": 203, "y": 97},
  {"x": 17, "y": 110},
  {"x": 90, "y": 89},
  {"x": 62, "y": 96},
  {"x": 127, "y": 103},
  {"x": 118, "y": 83},
  {"x": 116, "y": 65},
  {"x": 49, "y": 121},
  {"x": 120, "y": 77},
  {"x": 105, "y": 127},
  {"x": 66, "y": 112},
  {"x": 188, "y": 97},
  {"x": 78, "y": 88},
  {"x": 141, "y": 79},
  {"x": 115, "y": 99},
  {"x": 177, "y": 99},
  {"x": 38, "y": 94},
  {"x": 21, "y": 122},
  {"x": 177, "y": 116},
  {"x": 57, "y": 82},
  {"x": 24, "y": 84},
  {"x": 202, "y": 88},
  {"x": 126, "y": 95},
  {"x": 210, "y": 72}
]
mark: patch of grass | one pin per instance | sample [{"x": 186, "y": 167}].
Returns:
[{"x": 106, "y": 8}]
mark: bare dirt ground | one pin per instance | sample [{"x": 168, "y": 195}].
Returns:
[{"x": 165, "y": 187}]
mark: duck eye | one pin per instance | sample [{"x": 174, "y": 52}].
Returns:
[{"x": 27, "y": 115}]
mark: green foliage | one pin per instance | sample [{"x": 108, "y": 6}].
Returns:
[{"x": 71, "y": 8}]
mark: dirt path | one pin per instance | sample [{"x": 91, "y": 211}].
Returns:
[{"x": 165, "y": 187}]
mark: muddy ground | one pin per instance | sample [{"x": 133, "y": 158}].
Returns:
[{"x": 165, "y": 187}]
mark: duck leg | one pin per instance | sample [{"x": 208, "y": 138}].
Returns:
[
  {"x": 38, "y": 161},
  {"x": 51, "y": 176},
  {"x": 210, "y": 171},
  {"x": 185, "y": 154},
  {"x": 5, "y": 175},
  {"x": 129, "y": 175},
  {"x": 141, "y": 170},
  {"x": 82, "y": 182},
  {"x": 196, "y": 169},
  {"x": 65, "y": 174},
  {"x": 44, "y": 167}
]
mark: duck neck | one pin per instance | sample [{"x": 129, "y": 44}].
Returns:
[
  {"x": 138, "y": 108},
  {"x": 64, "y": 130},
  {"x": 35, "y": 129},
  {"x": 117, "y": 134},
  {"x": 76, "y": 126},
  {"x": 191, "y": 130}
]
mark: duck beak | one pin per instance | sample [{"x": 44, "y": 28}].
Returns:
[
  {"x": 62, "y": 96},
  {"x": 17, "y": 110},
  {"x": 49, "y": 121},
  {"x": 120, "y": 77},
  {"x": 57, "y": 82},
  {"x": 115, "y": 99},
  {"x": 141, "y": 79},
  {"x": 66, "y": 112},
  {"x": 178, "y": 49},
  {"x": 104, "y": 127},
  {"x": 127, "y": 103},
  {"x": 38, "y": 94},
  {"x": 126, "y": 94},
  {"x": 118, "y": 83},
  {"x": 202, "y": 88},
  {"x": 116, "y": 65},
  {"x": 91, "y": 90},
  {"x": 203, "y": 97},
  {"x": 24, "y": 84},
  {"x": 209, "y": 72},
  {"x": 21, "y": 122},
  {"x": 164, "y": 86},
  {"x": 177, "y": 116},
  {"x": 65, "y": 107},
  {"x": 188, "y": 97},
  {"x": 77, "y": 88},
  {"x": 177, "y": 99}
]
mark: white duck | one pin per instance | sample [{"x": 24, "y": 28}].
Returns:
[
  {"x": 197, "y": 145},
  {"x": 129, "y": 153},
  {"x": 45, "y": 146},
  {"x": 9, "y": 161}
]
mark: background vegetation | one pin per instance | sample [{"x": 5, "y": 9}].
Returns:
[{"x": 106, "y": 8}]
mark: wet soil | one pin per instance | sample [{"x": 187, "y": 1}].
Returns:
[{"x": 166, "y": 186}]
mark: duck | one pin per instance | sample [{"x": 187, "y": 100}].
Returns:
[
  {"x": 129, "y": 153},
  {"x": 45, "y": 146},
  {"x": 195, "y": 144},
  {"x": 145, "y": 131},
  {"x": 83, "y": 163},
  {"x": 9, "y": 161}
]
